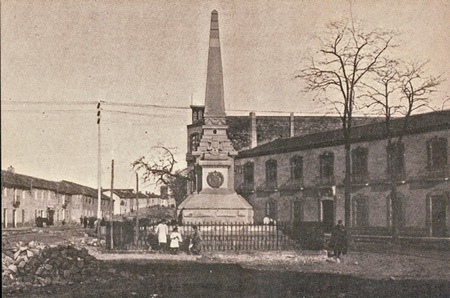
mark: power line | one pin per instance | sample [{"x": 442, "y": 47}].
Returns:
[
  {"x": 137, "y": 105},
  {"x": 155, "y": 106},
  {"x": 43, "y": 111},
  {"x": 53, "y": 102}
]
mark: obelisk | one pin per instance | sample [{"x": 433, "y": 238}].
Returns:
[{"x": 217, "y": 201}]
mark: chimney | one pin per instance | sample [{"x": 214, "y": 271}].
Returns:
[
  {"x": 253, "y": 140},
  {"x": 291, "y": 125},
  {"x": 11, "y": 169}
]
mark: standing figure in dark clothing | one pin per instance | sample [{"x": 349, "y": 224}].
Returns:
[
  {"x": 85, "y": 222},
  {"x": 196, "y": 242},
  {"x": 338, "y": 241}
]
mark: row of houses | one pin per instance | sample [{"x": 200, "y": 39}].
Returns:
[
  {"x": 25, "y": 198},
  {"x": 126, "y": 200}
]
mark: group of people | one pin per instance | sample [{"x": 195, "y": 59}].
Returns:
[
  {"x": 175, "y": 239},
  {"x": 91, "y": 222}
]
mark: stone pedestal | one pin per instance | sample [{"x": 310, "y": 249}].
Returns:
[{"x": 216, "y": 208}]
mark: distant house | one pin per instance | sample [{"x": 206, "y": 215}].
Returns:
[
  {"x": 301, "y": 178},
  {"x": 25, "y": 198},
  {"x": 125, "y": 200}
]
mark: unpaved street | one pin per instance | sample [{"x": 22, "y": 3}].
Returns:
[{"x": 371, "y": 270}]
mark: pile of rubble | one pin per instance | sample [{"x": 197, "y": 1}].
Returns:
[{"x": 36, "y": 264}]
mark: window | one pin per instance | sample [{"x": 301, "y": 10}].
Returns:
[
  {"x": 297, "y": 168},
  {"x": 327, "y": 168},
  {"x": 14, "y": 218},
  {"x": 401, "y": 210},
  {"x": 359, "y": 165},
  {"x": 271, "y": 208},
  {"x": 396, "y": 163},
  {"x": 194, "y": 142},
  {"x": 5, "y": 218},
  {"x": 271, "y": 173},
  {"x": 23, "y": 215},
  {"x": 360, "y": 211},
  {"x": 249, "y": 174},
  {"x": 297, "y": 211},
  {"x": 437, "y": 158}
]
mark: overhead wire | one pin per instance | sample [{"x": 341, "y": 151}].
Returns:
[{"x": 155, "y": 106}]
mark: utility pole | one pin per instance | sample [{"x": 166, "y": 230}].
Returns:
[
  {"x": 136, "y": 237},
  {"x": 99, "y": 174},
  {"x": 112, "y": 206}
]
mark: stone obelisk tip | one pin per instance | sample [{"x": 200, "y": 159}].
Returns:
[{"x": 214, "y": 99}]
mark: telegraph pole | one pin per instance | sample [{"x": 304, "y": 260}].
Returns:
[
  {"x": 136, "y": 237},
  {"x": 112, "y": 205},
  {"x": 99, "y": 173}
]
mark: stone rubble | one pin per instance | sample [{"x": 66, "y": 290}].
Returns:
[{"x": 36, "y": 264}]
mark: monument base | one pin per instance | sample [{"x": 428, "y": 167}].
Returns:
[{"x": 216, "y": 208}]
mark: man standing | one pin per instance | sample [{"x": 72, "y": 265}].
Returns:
[
  {"x": 196, "y": 242},
  {"x": 162, "y": 230},
  {"x": 338, "y": 239}
]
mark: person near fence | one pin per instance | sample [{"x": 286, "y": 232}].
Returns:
[
  {"x": 180, "y": 217},
  {"x": 162, "y": 230},
  {"x": 196, "y": 242},
  {"x": 338, "y": 241},
  {"x": 175, "y": 240}
]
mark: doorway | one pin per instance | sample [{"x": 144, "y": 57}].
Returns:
[
  {"x": 328, "y": 215},
  {"x": 51, "y": 216},
  {"x": 438, "y": 216}
]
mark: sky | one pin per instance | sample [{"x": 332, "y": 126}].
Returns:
[{"x": 146, "y": 61}]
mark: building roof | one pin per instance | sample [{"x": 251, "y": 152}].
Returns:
[
  {"x": 269, "y": 128},
  {"x": 417, "y": 123},
  {"x": 27, "y": 182},
  {"x": 12, "y": 179},
  {"x": 129, "y": 193},
  {"x": 77, "y": 189}
]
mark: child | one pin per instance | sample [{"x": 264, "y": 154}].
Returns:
[{"x": 175, "y": 240}]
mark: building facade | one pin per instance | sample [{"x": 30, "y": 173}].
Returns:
[
  {"x": 25, "y": 198},
  {"x": 247, "y": 132},
  {"x": 301, "y": 178}
]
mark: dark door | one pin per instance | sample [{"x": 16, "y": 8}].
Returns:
[
  {"x": 328, "y": 215},
  {"x": 51, "y": 216},
  {"x": 438, "y": 216}
]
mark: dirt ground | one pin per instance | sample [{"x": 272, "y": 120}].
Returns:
[{"x": 366, "y": 270}]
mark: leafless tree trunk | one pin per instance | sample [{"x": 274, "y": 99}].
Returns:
[
  {"x": 398, "y": 90},
  {"x": 336, "y": 75}
]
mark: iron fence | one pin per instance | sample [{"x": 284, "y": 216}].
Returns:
[{"x": 215, "y": 236}]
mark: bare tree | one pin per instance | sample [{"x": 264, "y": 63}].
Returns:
[
  {"x": 160, "y": 168},
  {"x": 337, "y": 73},
  {"x": 397, "y": 91}
]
